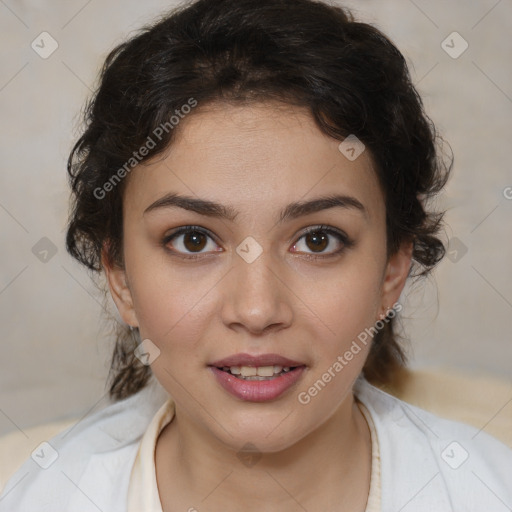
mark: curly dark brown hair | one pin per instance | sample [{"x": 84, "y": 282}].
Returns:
[{"x": 348, "y": 74}]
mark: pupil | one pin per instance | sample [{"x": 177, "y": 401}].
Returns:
[
  {"x": 320, "y": 241},
  {"x": 197, "y": 241}
]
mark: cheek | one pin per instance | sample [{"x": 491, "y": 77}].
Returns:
[
  {"x": 347, "y": 305},
  {"x": 171, "y": 302},
  {"x": 343, "y": 301},
  {"x": 167, "y": 307}
]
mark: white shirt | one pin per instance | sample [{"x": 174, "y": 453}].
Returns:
[{"x": 426, "y": 463}]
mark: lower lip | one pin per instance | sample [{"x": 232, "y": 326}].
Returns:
[{"x": 257, "y": 390}]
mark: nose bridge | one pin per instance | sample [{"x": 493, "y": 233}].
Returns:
[
  {"x": 256, "y": 298},
  {"x": 258, "y": 275}
]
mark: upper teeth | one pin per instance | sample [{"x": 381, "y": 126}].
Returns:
[{"x": 261, "y": 371}]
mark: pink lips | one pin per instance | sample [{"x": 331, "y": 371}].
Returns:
[{"x": 257, "y": 390}]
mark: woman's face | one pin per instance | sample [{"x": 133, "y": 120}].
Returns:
[{"x": 249, "y": 279}]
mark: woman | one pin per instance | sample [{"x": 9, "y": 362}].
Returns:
[{"x": 253, "y": 181}]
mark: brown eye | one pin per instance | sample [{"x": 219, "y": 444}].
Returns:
[
  {"x": 318, "y": 239},
  {"x": 194, "y": 241},
  {"x": 190, "y": 240}
]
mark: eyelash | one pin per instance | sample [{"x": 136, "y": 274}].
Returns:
[{"x": 340, "y": 235}]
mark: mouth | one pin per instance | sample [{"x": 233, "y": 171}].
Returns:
[
  {"x": 257, "y": 372},
  {"x": 257, "y": 378}
]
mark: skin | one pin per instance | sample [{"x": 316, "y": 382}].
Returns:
[{"x": 257, "y": 159}]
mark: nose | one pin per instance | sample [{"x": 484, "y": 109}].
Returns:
[{"x": 256, "y": 296}]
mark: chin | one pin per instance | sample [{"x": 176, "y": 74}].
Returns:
[{"x": 268, "y": 434}]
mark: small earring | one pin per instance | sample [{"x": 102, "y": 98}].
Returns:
[{"x": 385, "y": 314}]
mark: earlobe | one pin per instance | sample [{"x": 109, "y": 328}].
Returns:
[
  {"x": 397, "y": 270},
  {"x": 119, "y": 290}
]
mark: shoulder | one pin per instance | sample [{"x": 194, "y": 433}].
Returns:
[
  {"x": 87, "y": 465},
  {"x": 435, "y": 461}
]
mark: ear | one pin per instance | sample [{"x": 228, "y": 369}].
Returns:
[
  {"x": 119, "y": 289},
  {"x": 395, "y": 275}
]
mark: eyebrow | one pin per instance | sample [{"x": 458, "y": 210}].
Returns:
[{"x": 291, "y": 211}]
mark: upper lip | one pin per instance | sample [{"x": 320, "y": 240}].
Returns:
[{"x": 261, "y": 360}]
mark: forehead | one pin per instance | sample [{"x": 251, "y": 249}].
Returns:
[{"x": 254, "y": 156}]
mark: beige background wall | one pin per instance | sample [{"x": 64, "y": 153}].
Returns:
[{"x": 54, "y": 348}]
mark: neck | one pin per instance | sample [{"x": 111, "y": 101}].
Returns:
[{"x": 326, "y": 470}]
